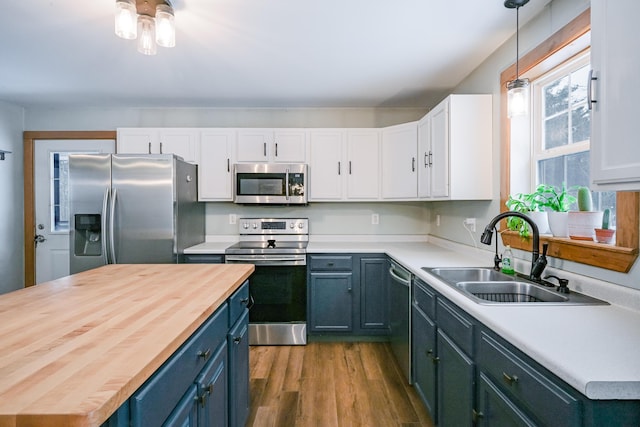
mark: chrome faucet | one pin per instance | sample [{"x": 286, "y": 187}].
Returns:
[{"x": 538, "y": 262}]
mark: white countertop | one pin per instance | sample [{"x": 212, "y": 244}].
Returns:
[{"x": 595, "y": 349}]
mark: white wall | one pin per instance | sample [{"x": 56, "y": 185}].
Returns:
[{"x": 11, "y": 193}]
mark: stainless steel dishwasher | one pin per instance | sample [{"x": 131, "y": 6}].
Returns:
[{"x": 400, "y": 313}]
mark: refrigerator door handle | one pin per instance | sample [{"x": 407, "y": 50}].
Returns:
[
  {"x": 112, "y": 221},
  {"x": 103, "y": 225}
]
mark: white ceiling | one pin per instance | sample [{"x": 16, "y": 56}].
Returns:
[{"x": 252, "y": 53}]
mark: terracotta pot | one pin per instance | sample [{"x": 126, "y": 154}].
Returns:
[{"x": 605, "y": 236}]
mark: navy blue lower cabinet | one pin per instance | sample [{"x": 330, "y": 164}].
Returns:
[
  {"x": 213, "y": 404},
  {"x": 238, "y": 347},
  {"x": 424, "y": 359},
  {"x": 496, "y": 409},
  {"x": 203, "y": 259},
  {"x": 331, "y": 302},
  {"x": 374, "y": 293},
  {"x": 456, "y": 396},
  {"x": 186, "y": 413}
]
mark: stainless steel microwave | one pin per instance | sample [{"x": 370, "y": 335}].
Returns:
[{"x": 270, "y": 183}]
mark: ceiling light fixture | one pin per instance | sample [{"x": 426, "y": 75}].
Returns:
[
  {"x": 518, "y": 89},
  {"x": 150, "y": 21}
]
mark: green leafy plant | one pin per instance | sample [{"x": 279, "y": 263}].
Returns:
[
  {"x": 524, "y": 202},
  {"x": 554, "y": 199}
]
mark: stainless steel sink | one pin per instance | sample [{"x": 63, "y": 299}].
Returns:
[
  {"x": 510, "y": 292},
  {"x": 484, "y": 285}
]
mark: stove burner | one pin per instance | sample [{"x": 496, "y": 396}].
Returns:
[{"x": 271, "y": 243}]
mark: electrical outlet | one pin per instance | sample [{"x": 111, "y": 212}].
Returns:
[
  {"x": 437, "y": 220},
  {"x": 471, "y": 224},
  {"x": 233, "y": 219},
  {"x": 375, "y": 219}
]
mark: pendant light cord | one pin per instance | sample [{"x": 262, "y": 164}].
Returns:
[{"x": 517, "y": 41}]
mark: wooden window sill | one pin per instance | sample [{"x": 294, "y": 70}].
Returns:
[{"x": 611, "y": 257}]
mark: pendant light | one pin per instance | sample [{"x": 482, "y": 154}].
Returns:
[
  {"x": 152, "y": 22},
  {"x": 518, "y": 89}
]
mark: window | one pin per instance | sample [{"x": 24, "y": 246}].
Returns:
[
  {"x": 562, "y": 129},
  {"x": 60, "y": 192}
]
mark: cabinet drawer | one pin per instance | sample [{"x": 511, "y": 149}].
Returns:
[
  {"x": 424, "y": 298},
  {"x": 537, "y": 393},
  {"x": 456, "y": 324},
  {"x": 329, "y": 263},
  {"x": 203, "y": 259},
  {"x": 154, "y": 400},
  {"x": 238, "y": 303}
]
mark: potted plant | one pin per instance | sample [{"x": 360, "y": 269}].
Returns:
[
  {"x": 581, "y": 224},
  {"x": 559, "y": 202},
  {"x": 605, "y": 234},
  {"x": 531, "y": 204}
]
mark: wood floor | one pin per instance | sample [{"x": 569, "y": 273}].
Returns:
[{"x": 331, "y": 384}]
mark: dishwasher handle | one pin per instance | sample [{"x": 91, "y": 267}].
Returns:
[{"x": 397, "y": 278}]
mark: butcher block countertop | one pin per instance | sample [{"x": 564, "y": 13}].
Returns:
[{"x": 74, "y": 349}]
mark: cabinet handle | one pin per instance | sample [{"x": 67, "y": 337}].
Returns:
[
  {"x": 426, "y": 161},
  {"x": 413, "y": 164},
  {"x": 236, "y": 340},
  {"x": 349, "y": 167},
  {"x": 204, "y": 354},
  {"x": 435, "y": 360},
  {"x": 210, "y": 389},
  {"x": 590, "y": 100},
  {"x": 276, "y": 149},
  {"x": 509, "y": 379},
  {"x": 202, "y": 399},
  {"x": 338, "y": 168},
  {"x": 264, "y": 148},
  {"x": 329, "y": 264},
  {"x": 475, "y": 415},
  {"x": 161, "y": 148},
  {"x": 430, "y": 158},
  {"x": 228, "y": 165},
  {"x": 149, "y": 147},
  {"x": 244, "y": 301}
]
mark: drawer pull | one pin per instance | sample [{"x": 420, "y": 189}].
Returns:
[
  {"x": 237, "y": 340},
  {"x": 244, "y": 301},
  {"x": 509, "y": 379},
  {"x": 204, "y": 354},
  {"x": 210, "y": 389},
  {"x": 330, "y": 264},
  {"x": 476, "y": 415}
]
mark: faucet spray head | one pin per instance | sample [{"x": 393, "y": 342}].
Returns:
[{"x": 487, "y": 235}]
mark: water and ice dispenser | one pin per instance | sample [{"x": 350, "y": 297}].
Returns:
[{"x": 88, "y": 235}]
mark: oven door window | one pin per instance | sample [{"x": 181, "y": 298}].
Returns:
[
  {"x": 264, "y": 184},
  {"x": 279, "y": 293}
]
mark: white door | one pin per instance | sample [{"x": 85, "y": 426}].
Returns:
[
  {"x": 425, "y": 157},
  {"x": 326, "y": 168},
  {"x": 51, "y": 203},
  {"x": 363, "y": 164},
  {"x": 440, "y": 150},
  {"x": 215, "y": 180},
  {"x": 399, "y": 162},
  {"x": 289, "y": 146}
]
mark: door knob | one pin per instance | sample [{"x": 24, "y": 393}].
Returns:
[{"x": 39, "y": 238}]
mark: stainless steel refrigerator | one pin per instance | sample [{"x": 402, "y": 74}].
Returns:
[{"x": 132, "y": 209}]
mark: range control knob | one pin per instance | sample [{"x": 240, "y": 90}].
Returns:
[
  {"x": 291, "y": 225},
  {"x": 254, "y": 225},
  {"x": 300, "y": 225},
  {"x": 245, "y": 226}
]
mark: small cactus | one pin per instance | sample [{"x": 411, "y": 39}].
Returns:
[
  {"x": 605, "y": 219},
  {"x": 584, "y": 199}
]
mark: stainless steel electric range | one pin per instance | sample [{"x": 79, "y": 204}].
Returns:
[{"x": 277, "y": 247}]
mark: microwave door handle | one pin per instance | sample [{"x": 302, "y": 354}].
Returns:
[{"x": 286, "y": 187}]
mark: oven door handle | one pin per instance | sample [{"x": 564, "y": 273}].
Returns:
[{"x": 272, "y": 261}]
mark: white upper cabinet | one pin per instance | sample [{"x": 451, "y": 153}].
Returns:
[
  {"x": 615, "y": 60},
  {"x": 272, "y": 145},
  {"x": 215, "y": 169},
  {"x": 455, "y": 140},
  {"x": 344, "y": 164},
  {"x": 399, "y": 161},
  {"x": 179, "y": 141}
]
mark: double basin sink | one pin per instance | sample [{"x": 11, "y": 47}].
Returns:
[{"x": 487, "y": 286}]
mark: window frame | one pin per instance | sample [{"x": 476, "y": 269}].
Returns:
[{"x": 619, "y": 257}]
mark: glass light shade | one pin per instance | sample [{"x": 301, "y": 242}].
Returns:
[
  {"x": 518, "y": 97},
  {"x": 165, "y": 26},
  {"x": 125, "y": 22},
  {"x": 147, "y": 35}
]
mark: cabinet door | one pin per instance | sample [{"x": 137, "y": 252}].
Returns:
[
  {"x": 212, "y": 391},
  {"x": 215, "y": 177},
  {"x": 331, "y": 302},
  {"x": 238, "y": 343},
  {"x": 137, "y": 141},
  {"x": 425, "y": 157},
  {"x": 181, "y": 142},
  {"x": 495, "y": 409},
  {"x": 374, "y": 293},
  {"x": 440, "y": 150},
  {"x": 615, "y": 152},
  {"x": 326, "y": 168},
  {"x": 254, "y": 145},
  {"x": 289, "y": 146},
  {"x": 186, "y": 413},
  {"x": 363, "y": 164},
  {"x": 455, "y": 384},
  {"x": 424, "y": 359},
  {"x": 399, "y": 167}
]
